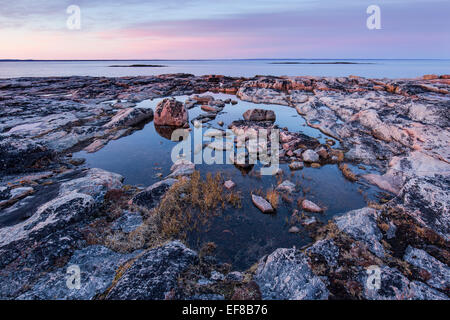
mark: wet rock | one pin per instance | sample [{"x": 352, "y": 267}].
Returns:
[
  {"x": 361, "y": 225},
  {"x": 439, "y": 272},
  {"x": 154, "y": 274},
  {"x": 262, "y": 204},
  {"x": 96, "y": 145},
  {"x": 170, "y": 112},
  {"x": 286, "y": 186},
  {"x": 310, "y": 206},
  {"x": 309, "y": 221},
  {"x": 181, "y": 168},
  {"x": 294, "y": 229},
  {"x": 259, "y": 115},
  {"x": 296, "y": 165},
  {"x": 150, "y": 197},
  {"x": 98, "y": 266},
  {"x": 286, "y": 274},
  {"x": 130, "y": 117},
  {"x": 310, "y": 156}
]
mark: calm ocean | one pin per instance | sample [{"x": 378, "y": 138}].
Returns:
[{"x": 245, "y": 68}]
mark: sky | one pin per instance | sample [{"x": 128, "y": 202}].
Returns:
[{"x": 224, "y": 29}]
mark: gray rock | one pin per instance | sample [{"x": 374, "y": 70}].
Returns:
[
  {"x": 426, "y": 199},
  {"x": 286, "y": 274},
  {"x": 286, "y": 186},
  {"x": 150, "y": 197},
  {"x": 310, "y": 156},
  {"x": 234, "y": 276},
  {"x": 262, "y": 204},
  {"x": 130, "y": 117},
  {"x": 128, "y": 221},
  {"x": 98, "y": 266},
  {"x": 361, "y": 225},
  {"x": 154, "y": 274},
  {"x": 296, "y": 165},
  {"x": 216, "y": 276},
  {"x": 395, "y": 286},
  {"x": 440, "y": 272},
  {"x": 96, "y": 182},
  {"x": 326, "y": 249}
]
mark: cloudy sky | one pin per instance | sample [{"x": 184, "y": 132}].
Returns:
[{"x": 215, "y": 29}]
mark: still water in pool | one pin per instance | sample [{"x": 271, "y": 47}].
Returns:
[{"x": 242, "y": 235}]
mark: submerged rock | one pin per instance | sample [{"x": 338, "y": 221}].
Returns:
[
  {"x": 262, "y": 204},
  {"x": 229, "y": 184},
  {"x": 286, "y": 186},
  {"x": 310, "y": 206}
]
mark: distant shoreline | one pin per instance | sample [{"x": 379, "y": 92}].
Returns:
[
  {"x": 335, "y": 62},
  {"x": 138, "y": 66}
]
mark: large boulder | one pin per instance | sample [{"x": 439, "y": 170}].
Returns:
[
  {"x": 170, "y": 112},
  {"x": 259, "y": 115},
  {"x": 361, "y": 225},
  {"x": 285, "y": 274},
  {"x": 98, "y": 266},
  {"x": 154, "y": 274}
]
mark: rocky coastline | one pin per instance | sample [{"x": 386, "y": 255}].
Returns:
[{"x": 55, "y": 212}]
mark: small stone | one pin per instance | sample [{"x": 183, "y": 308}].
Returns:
[
  {"x": 262, "y": 204},
  {"x": 220, "y": 123},
  {"x": 229, "y": 184},
  {"x": 310, "y": 156},
  {"x": 294, "y": 229},
  {"x": 296, "y": 165},
  {"x": 309, "y": 221},
  {"x": 315, "y": 165},
  {"x": 311, "y": 206}
]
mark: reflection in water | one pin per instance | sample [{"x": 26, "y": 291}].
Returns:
[{"x": 242, "y": 235}]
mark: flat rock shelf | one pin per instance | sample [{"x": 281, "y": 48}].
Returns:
[{"x": 87, "y": 176}]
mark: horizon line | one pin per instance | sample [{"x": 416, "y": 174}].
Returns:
[{"x": 214, "y": 59}]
